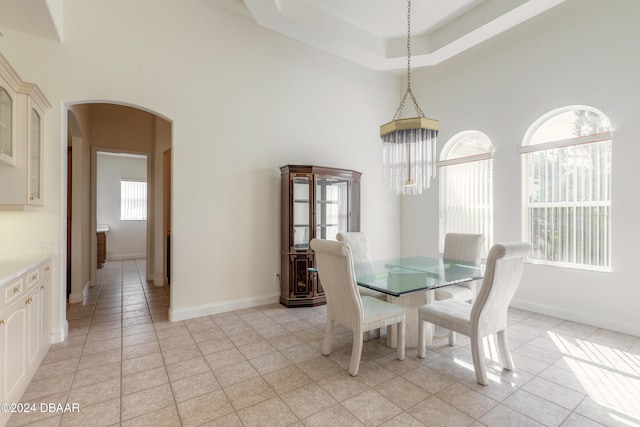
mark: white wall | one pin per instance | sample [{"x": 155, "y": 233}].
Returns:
[
  {"x": 242, "y": 102},
  {"x": 125, "y": 239},
  {"x": 580, "y": 52}
]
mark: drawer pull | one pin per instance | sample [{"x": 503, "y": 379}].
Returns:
[
  {"x": 41, "y": 286},
  {"x": 47, "y": 268},
  {"x": 28, "y": 301},
  {"x": 16, "y": 289},
  {"x": 35, "y": 276},
  {"x": 1, "y": 321}
]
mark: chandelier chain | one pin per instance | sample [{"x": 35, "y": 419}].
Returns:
[{"x": 408, "y": 91}]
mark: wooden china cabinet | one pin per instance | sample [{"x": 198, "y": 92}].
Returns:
[{"x": 317, "y": 202}]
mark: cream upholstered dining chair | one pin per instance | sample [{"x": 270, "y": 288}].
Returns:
[
  {"x": 488, "y": 314},
  {"x": 345, "y": 305},
  {"x": 359, "y": 244},
  {"x": 466, "y": 248},
  {"x": 463, "y": 247}
]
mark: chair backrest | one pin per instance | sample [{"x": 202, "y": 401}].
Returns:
[
  {"x": 501, "y": 279},
  {"x": 359, "y": 245},
  {"x": 335, "y": 270},
  {"x": 463, "y": 247}
]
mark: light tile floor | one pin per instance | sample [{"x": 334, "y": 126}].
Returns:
[{"x": 125, "y": 364}]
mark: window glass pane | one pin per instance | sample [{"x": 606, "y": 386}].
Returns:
[
  {"x": 133, "y": 200},
  {"x": 569, "y": 124},
  {"x": 469, "y": 144},
  {"x": 466, "y": 194},
  {"x": 569, "y": 193}
]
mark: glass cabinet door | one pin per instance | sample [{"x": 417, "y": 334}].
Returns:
[
  {"x": 6, "y": 127},
  {"x": 301, "y": 212},
  {"x": 332, "y": 209},
  {"x": 34, "y": 158},
  {"x": 354, "y": 220}
]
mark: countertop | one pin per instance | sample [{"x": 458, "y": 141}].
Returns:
[{"x": 13, "y": 266}]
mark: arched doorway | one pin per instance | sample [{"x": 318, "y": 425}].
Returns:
[{"x": 114, "y": 128}]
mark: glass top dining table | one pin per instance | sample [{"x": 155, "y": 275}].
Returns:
[{"x": 402, "y": 276}]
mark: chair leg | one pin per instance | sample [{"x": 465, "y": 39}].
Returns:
[
  {"x": 328, "y": 338},
  {"x": 503, "y": 348},
  {"x": 422, "y": 351},
  {"x": 477, "y": 352},
  {"x": 452, "y": 338},
  {"x": 376, "y": 333},
  {"x": 356, "y": 354},
  {"x": 400, "y": 328}
]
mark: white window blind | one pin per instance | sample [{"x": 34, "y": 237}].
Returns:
[
  {"x": 133, "y": 200},
  {"x": 466, "y": 187},
  {"x": 568, "y": 191}
]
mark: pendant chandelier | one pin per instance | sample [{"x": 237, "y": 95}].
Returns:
[{"x": 409, "y": 145}]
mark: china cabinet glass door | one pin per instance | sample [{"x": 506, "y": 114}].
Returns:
[
  {"x": 301, "y": 212},
  {"x": 332, "y": 207}
]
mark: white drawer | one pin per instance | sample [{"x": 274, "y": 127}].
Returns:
[
  {"x": 32, "y": 277},
  {"x": 12, "y": 291},
  {"x": 45, "y": 270}
]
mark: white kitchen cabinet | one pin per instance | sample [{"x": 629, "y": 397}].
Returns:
[
  {"x": 22, "y": 108},
  {"x": 13, "y": 349},
  {"x": 25, "y": 323}
]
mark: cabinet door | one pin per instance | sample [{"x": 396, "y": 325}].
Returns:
[
  {"x": 301, "y": 211},
  {"x": 301, "y": 280},
  {"x": 45, "y": 316},
  {"x": 354, "y": 213},
  {"x": 13, "y": 348},
  {"x": 34, "y": 322},
  {"x": 7, "y": 123},
  {"x": 35, "y": 158},
  {"x": 332, "y": 207}
]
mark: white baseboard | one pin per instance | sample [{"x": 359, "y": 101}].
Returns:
[
  {"x": 79, "y": 297},
  {"x": 60, "y": 334},
  {"x": 221, "y": 307},
  {"x": 587, "y": 318}
]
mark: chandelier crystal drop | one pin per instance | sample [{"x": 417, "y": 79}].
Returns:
[{"x": 409, "y": 145}]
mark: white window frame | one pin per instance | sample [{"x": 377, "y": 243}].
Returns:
[
  {"x": 482, "y": 225},
  {"x": 134, "y": 210},
  {"x": 574, "y": 204}
]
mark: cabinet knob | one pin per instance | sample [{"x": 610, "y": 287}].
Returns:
[
  {"x": 16, "y": 289},
  {"x": 28, "y": 301},
  {"x": 1, "y": 321},
  {"x": 35, "y": 276},
  {"x": 41, "y": 286},
  {"x": 47, "y": 268}
]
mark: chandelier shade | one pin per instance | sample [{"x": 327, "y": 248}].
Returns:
[
  {"x": 409, "y": 154},
  {"x": 409, "y": 145}
]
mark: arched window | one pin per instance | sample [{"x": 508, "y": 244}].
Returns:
[
  {"x": 466, "y": 186},
  {"x": 566, "y": 162}
]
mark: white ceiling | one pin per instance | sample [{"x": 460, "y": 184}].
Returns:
[
  {"x": 368, "y": 32},
  {"x": 373, "y": 32}
]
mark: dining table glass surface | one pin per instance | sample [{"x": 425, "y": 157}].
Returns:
[{"x": 401, "y": 276}]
